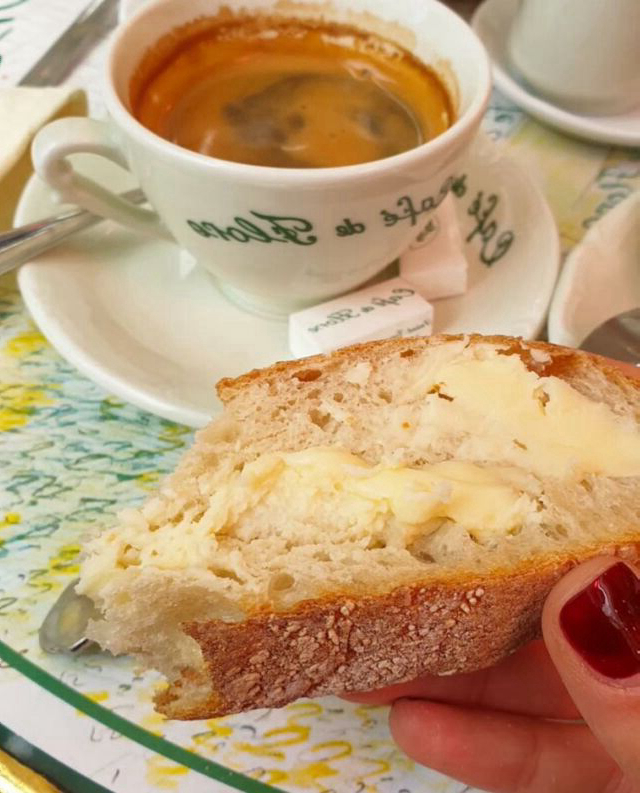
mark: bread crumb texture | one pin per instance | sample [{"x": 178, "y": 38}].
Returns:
[{"x": 360, "y": 518}]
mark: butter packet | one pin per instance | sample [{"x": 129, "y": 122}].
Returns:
[{"x": 435, "y": 263}]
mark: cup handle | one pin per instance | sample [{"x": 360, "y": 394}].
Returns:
[{"x": 52, "y": 146}]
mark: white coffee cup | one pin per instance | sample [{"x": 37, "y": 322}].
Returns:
[
  {"x": 276, "y": 238},
  {"x": 581, "y": 54}
]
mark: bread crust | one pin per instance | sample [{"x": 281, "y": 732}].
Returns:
[
  {"x": 345, "y": 643},
  {"x": 453, "y": 623},
  {"x": 564, "y": 362}
]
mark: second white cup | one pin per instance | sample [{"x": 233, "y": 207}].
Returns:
[{"x": 583, "y": 55}]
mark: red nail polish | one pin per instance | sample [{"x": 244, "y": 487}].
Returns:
[{"x": 602, "y": 623}]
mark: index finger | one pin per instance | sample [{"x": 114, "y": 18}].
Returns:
[{"x": 526, "y": 683}]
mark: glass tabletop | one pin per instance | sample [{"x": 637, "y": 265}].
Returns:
[{"x": 26, "y": 769}]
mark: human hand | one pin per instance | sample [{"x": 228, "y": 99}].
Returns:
[
  {"x": 560, "y": 716},
  {"x": 498, "y": 729}
]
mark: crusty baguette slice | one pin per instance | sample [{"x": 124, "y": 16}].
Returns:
[{"x": 390, "y": 510}]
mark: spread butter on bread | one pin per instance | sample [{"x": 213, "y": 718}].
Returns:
[{"x": 390, "y": 510}]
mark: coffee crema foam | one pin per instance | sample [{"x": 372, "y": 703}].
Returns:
[{"x": 287, "y": 93}]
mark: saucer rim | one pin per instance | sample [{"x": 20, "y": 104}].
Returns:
[
  {"x": 601, "y": 129},
  {"x": 113, "y": 383}
]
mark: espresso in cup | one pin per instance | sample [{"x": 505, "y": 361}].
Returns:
[{"x": 287, "y": 93}]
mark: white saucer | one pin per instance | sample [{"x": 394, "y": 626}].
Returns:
[
  {"x": 492, "y": 22},
  {"x": 601, "y": 276},
  {"x": 129, "y": 316}
]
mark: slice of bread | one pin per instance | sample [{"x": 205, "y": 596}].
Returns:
[{"x": 393, "y": 509}]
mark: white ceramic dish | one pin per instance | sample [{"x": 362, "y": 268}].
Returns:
[
  {"x": 492, "y": 22},
  {"x": 601, "y": 276},
  {"x": 129, "y": 316}
]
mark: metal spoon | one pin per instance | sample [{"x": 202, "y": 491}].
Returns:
[
  {"x": 24, "y": 243},
  {"x": 64, "y": 628},
  {"x": 618, "y": 337}
]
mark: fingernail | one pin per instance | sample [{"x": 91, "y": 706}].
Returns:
[{"x": 602, "y": 623}]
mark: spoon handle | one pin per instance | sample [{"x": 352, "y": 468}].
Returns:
[{"x": 24, "y": 243}]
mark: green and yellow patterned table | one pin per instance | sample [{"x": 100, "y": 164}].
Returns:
[{"x": 72, "y": 455}]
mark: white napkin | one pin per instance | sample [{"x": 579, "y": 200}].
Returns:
[{"x": 22, "y": 112}]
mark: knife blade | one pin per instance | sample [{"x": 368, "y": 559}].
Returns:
[{"x": 88, "y": 29}]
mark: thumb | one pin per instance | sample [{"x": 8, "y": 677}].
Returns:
[{"x": 591, "y": 626}]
